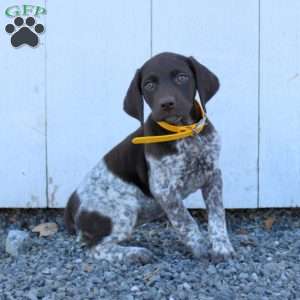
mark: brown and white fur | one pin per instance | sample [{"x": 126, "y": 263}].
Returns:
[{"x": 134, "y": 184}]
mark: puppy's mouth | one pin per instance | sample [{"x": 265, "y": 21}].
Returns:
[
  {"x": 179, "y": 120},
  {"x": 176, "y": 120}
]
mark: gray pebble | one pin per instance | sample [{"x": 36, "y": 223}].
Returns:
[
  {"x": 211, "y": 269},
  {"x": 186, "y": 286},
  {"x": 135, "y": 288},
  {"x": 225, "y": 295},
  {"x": 243, "y": 276},
  {"x": 32, "y": 294},
  {"x": 254, "y": 276},
  {"x": 17, "y": 242}
]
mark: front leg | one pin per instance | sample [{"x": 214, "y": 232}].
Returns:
[
  {"x": 212, "y": 194},
  {"x": 183, "y": 223}
]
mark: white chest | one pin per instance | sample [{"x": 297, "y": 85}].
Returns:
[{"x": 186, "y": 171}]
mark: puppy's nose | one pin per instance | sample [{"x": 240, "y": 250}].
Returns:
[{"x": 167, "y": 103}]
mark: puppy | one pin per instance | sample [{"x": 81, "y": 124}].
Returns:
[{"x": 134, "y": 184}]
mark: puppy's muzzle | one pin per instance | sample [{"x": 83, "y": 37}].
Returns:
[{"x": 167, "y": 104}]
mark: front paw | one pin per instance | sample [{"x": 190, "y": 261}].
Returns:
[{"x": 222, "y": 252}]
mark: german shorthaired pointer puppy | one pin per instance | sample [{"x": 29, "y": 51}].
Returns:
[{"x": 134, "y": 184}]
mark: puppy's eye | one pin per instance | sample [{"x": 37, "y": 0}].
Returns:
[
  {"x": 181, "y": 78},
  {"x": 149, "y": 86}
]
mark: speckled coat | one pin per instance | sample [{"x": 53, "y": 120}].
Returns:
[
  {"x": 134, "y": 184},
  {"x": 105, "y": 207}
]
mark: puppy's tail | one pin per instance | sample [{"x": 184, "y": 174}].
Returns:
[{"x": 70, "y": 212}]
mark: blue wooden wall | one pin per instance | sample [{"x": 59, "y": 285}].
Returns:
[{"x": 61, "y": 103}]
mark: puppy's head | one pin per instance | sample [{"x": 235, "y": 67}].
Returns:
[{"x": 168, "y": 83}]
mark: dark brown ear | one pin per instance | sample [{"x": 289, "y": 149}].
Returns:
[
  {"x": 207, "y": 83},
  {"x": 133, "y": 102}
]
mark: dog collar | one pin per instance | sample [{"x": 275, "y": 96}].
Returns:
[{"x": 179, "y": 132}]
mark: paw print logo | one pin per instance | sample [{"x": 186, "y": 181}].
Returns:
[{"x": 24, "y": 33}]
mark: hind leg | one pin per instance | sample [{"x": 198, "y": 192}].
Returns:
[
  {"x": 105, "y": 225},
  {"x": 114, "y": 252},
  {"x": 104, "y": 235},
  {"x": 149, "y": 210},
  {"x": 108, "y": 213},
  {"x": 110, "y": 250}
]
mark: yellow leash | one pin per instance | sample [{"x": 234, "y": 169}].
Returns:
[{"x": 180, "y": 132}]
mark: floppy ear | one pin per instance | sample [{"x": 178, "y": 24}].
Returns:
[
  {"x": 207, "y": 83},
  {"x": 133, "y": 102}
]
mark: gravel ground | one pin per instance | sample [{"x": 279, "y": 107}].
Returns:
[{"x": 56, "y": 267}]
